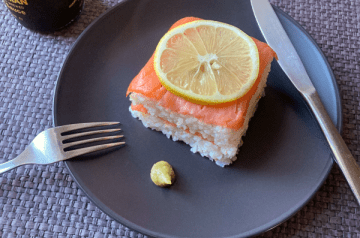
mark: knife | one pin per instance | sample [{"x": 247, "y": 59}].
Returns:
[{"x": 291, "y": 64}]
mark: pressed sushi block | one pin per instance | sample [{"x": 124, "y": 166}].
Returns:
[{"x": 211, "y": 121}]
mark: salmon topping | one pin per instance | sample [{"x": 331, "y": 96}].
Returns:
[{"x": 230, "y": 115}]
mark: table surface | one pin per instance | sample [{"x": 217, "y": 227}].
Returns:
[{"x": 44, "y": 201}]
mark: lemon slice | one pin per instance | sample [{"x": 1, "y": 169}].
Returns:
[{"x": 207, "y": 62}]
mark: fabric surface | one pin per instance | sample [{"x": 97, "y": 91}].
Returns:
[{"x": 44, "y": 201}]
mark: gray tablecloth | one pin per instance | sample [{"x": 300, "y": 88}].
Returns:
[{"x": 44, "y": 201}]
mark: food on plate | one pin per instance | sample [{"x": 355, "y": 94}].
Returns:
[
  {"x": 202, "y": 86},
  {"x": 162, "y": 174}
]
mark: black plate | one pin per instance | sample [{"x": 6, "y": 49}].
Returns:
[{"x": 283, "y": 162}]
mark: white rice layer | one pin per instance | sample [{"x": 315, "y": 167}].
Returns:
[{"x": 219, "y": 144}]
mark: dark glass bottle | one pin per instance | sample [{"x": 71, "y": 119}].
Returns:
[{"x": 45, "y": 15}]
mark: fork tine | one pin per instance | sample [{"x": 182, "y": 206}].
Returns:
[
  {"x": 89, "y": 133},
  {"x": 67, "y": 145},
  {"x": 83, "y": 151},
  {"x": 71, "y": 127}
]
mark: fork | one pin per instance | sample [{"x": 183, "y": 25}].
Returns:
[{"x": 51, "y": 145}]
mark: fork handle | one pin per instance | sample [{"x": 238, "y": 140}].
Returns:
[
  {"x": 12, "y": 164},
  {"x": 342, "y": 154},
  {"x": 26, "y": 157}
]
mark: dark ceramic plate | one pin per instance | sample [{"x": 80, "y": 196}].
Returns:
[{"x": 283, "y": 162}]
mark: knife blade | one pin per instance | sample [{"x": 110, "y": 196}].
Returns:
[{"x": 291, "y": 64}]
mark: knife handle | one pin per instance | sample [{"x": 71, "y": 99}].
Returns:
[{"x": 341, "y": 152}]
